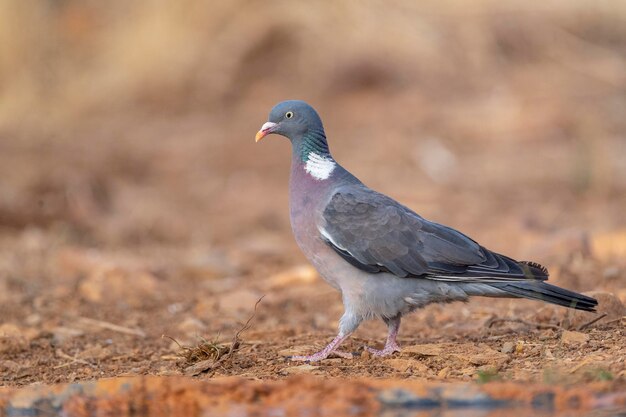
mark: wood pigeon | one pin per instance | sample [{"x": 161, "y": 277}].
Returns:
[{"x": 385, "y": 259}]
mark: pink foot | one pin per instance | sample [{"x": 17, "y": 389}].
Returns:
[
  {"x": 320, "y": 355},
  {"x": 326, "y": 352},
  {"x": 386, "y": 351},
  {"x": 391, "y": 345}
]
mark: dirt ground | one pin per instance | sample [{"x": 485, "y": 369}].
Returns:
[
  {"x": 137, "y": 209},
  {"x": 105, "y": 314}
]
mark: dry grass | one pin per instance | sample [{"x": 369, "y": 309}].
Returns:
[{"x": 208, "y": 355}]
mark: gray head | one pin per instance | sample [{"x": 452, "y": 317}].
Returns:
[{"x": 293, "y": 119}]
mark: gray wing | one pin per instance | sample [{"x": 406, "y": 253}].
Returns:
[{"x": 375, "y": 233}]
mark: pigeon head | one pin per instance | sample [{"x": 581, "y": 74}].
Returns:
[
  {"x": 301, "y": 124},
  {"x": 295, "y": 120}
]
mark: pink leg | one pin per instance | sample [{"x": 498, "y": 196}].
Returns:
[
  {"x": 323, "y": 354},
  {"x": 392, "y": 345}
]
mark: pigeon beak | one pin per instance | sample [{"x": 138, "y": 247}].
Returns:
[{"x": 266, "y": 129}]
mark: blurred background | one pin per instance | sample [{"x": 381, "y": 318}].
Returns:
[
  {"x": 126, "y": 135},
  {"x": 133, "y": 121}
]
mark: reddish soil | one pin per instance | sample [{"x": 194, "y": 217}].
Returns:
[{"x": 306, "y": 395}]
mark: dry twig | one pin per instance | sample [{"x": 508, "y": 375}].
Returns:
[
  {"x": 615, "y": 320},
  {"x": 111, "y": 326},
  {"x": 590, "y": 322},
  {"x": 207, "y": 356},
  {"x": 72, "y": 360},
  {"x": 489, "y": 323}
]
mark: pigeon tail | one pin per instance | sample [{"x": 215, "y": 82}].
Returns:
[{"x": 539, "y": 290}]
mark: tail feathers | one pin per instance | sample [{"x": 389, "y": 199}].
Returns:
[
  {"x": 537, "y": 271},
  {"x": 538, "y": 290}
]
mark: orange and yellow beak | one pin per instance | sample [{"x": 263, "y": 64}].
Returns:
[{"x": 266, "y": 129}]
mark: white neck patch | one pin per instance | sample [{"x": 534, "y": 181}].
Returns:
[{"x": 319, "y": 166}]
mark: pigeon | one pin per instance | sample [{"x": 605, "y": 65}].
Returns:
[{"x": 385, "y": 259}]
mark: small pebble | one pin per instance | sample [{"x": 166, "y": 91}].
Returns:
[{"x": 508, "y": 347}]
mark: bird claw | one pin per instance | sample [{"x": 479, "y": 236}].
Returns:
[
  {"x": 386, "y": 351},
  {"x": 320, "y": 355},
  {"x": 343, "y": 355}
]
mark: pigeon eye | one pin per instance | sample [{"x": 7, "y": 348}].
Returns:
[{"x": 289, "y": 114}]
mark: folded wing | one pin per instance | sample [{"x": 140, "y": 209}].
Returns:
[{"x": 377, "y": 234}]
